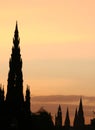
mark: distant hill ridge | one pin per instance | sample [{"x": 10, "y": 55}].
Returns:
[{"x": 65, "y": 98}]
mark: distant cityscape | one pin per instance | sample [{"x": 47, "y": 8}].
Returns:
[
  {"x": 51, "y": 103},
  {"x": 15, "y": 111}
]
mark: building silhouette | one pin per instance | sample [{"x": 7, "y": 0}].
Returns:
[
  {"x": 81, "y": 120},
  {"x": 58, "y": 117},
  {"x": 27, "y": 101},
  {"x": 42, "y": 120},
  {"x": 15, "y": 112},
  {"x": 75, "y": 123},
  {"x": 14, "y": 104},
  {"x": 67, "y": 119},
  {"x": 14, "y": 96}
]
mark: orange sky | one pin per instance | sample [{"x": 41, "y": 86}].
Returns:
[{"x": 57, "y": 44}]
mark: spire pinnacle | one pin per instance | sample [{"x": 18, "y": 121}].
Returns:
[
  {"x": 59, "y": 108},
  {"x": 16, "y": 38},
  {"x": 67, "y": 119},
  {"x": 81, "y": 114},
  {"x": 80, "y": 104},
  {"x": 75, "y": 123},
  {"x": 16, "y": 28}
]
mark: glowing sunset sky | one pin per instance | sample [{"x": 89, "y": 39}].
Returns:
[{"x": 57, "y": 41}]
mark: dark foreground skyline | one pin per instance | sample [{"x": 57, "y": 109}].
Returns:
[
  {"x": 50, "y": 103},
  {"x": 15, "y": 111}
]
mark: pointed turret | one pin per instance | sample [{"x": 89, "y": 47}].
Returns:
[
  {"x": 67, "y": 119},
  {"x": 59, "y": 108},
  {"x": 58, "y": 117},
  {"x": 75, "y": 123},
  {"x": 80, "y": 114},
  {"x": 27, "y": 100}
]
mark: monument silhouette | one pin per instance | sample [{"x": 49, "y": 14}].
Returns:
[{"x": 15, "y": 112}]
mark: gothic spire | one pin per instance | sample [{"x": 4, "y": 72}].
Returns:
[
  {"x": 14, "y": 95},
  {"x": 67, "y": 119},
  {"x": 58, "y": 117},
  {"x": 27, "y": 100},
  {"x": 80, "y": 114},
  {"x": 80, "y": 105},
  {"x": 59, "y": 108},
  {"x": 16, "y": 38},
  {"x": 16, "y": 28},
  {"x": 75, "y": 123}
]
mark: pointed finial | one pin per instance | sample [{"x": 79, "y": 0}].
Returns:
[
  {"x": 80, "y": 100},
  {"x": 28, "y": 87},
  {"x": 75, "y": 123},
  {"x": 16, "y": 28},
  {"x": 16, "y": 38},
  {"x": 59, "y": 108},
  {"x": 76, "y": 114},
  {"x": 67, "y": 119}
]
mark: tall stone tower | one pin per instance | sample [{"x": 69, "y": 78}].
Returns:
[{"x": 14, "y": 96}]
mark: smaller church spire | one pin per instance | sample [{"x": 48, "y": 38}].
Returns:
[
  {"x": 80, "y": 114},
  {"x": 58, "y": 117},
  {"x": 67, "y": 119},
  {"x": 59, "y": 108},
  {"x": 75, "y": 123},
  {"x": 27, "y": 100}
]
